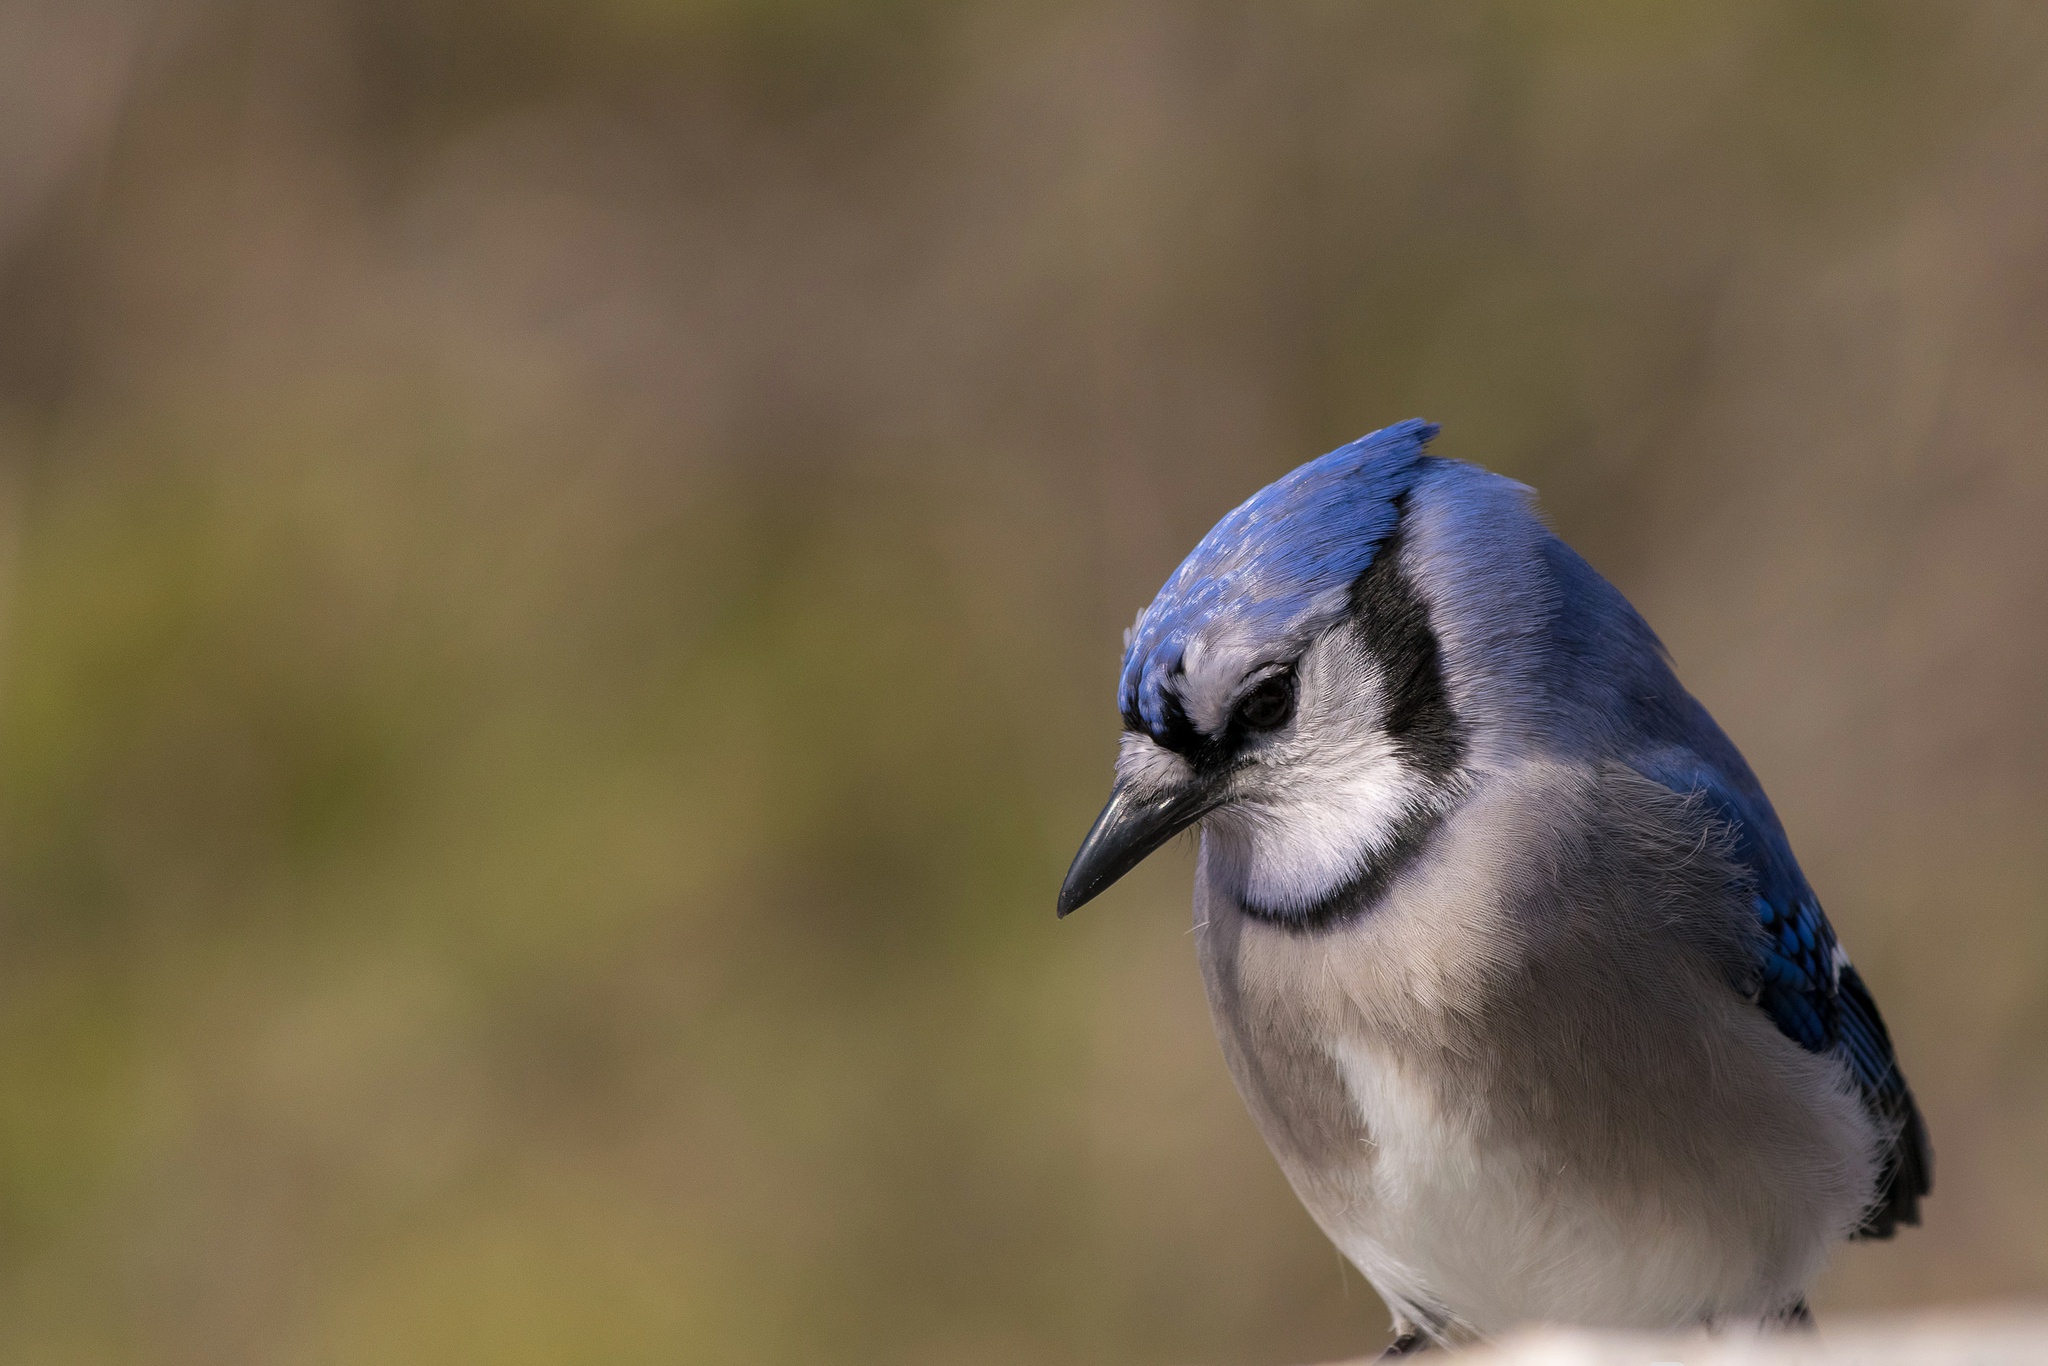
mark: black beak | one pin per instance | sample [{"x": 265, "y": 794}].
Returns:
[{"x": 1130, "y": 827}]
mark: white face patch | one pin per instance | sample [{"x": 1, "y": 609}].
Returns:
[
  {"x": 1311, "y": 805},
  {"x": 1149, "y": 766}
]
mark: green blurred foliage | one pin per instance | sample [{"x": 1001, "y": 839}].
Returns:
[{"x": 562, "y": 568}]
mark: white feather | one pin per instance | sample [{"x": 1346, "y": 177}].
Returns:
[{"x": 1476, "y": 1230}]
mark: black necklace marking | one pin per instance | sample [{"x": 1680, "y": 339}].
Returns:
[{"x": 1364, "y": 889}]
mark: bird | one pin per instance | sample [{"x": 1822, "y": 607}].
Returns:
[{"x": 1508, "y": 953}]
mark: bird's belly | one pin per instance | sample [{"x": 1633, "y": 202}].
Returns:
[
  {"x": 1639, "y": 1150},
  {"x": 1476, "y": 1234}
]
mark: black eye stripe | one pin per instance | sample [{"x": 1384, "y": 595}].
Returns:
[{"x": 1268, "y": 706}]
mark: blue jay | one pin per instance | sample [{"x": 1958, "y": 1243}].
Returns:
[{"x": 1509, "y": 956}]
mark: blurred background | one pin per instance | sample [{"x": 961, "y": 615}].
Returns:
[{"x": 561, "y": 569}]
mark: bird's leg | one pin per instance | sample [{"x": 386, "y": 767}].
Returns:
[{"x": 1408, "y": 1340}]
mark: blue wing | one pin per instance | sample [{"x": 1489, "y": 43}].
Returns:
[{"x": 1805, "y": 983}]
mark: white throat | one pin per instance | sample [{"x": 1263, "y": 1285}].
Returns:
[{"x": 1330, "y": 821}]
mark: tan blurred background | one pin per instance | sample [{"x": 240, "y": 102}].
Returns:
[{"x": 560, "y": 582}]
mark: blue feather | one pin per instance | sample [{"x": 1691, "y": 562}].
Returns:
[
  {"x": 1279, "y": 564},
  {"x": 1799, "y": 977}
]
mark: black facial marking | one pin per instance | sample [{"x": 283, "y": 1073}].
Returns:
[
  {"x": 1266, "y": 707},
  {"x": 1177, "y": 732},
  {"x": 1393, "y": 622},
  {"x": 1363, "y": 890}
]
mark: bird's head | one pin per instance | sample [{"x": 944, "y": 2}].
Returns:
[{"x": 1285, "y": 689}]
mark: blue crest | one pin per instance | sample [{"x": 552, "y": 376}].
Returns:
[{"x": 1279, "y": 567}]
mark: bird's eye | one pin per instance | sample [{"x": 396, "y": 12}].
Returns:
[{"x": 1269, "y": 705}]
